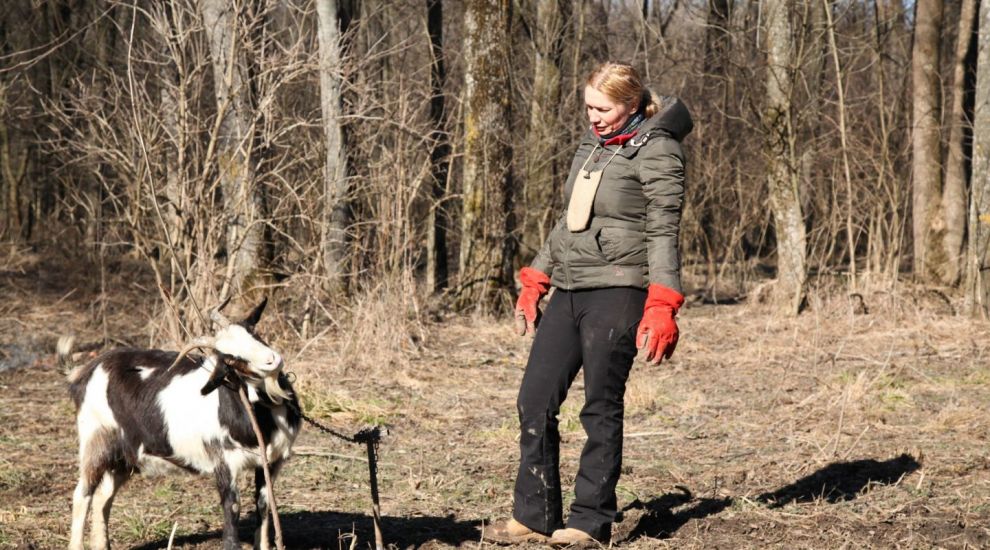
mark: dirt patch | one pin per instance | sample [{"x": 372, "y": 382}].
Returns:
[{"x": 831, "y": 430}]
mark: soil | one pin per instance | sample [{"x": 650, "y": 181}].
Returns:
[{"x": 829, "y": 430}]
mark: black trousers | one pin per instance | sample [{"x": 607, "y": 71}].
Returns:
[{"x": 595, "y": 329}]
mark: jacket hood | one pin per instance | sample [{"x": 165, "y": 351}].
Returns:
[{"x": 673, "y": 118}]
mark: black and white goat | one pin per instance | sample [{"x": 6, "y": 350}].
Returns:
[{"x": 157, "y": 412}]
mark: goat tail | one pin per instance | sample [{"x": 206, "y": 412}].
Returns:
[{"x": 63, "y": 352}]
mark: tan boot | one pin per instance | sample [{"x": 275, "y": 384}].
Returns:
[
  {"x": 510, "y": 531},
  {"x": 569, "y": 536}
]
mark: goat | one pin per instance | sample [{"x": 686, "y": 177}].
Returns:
[{"x": 159, "y": 412}]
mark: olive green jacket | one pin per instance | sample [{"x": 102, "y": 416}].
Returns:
[{"x": 632, "y": 238}]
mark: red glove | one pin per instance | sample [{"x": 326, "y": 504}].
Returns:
[
  {"x": 657, "y": 332},
  {"x": 535, "y": 284}
]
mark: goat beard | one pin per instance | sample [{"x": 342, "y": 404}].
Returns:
[
  {"x": 269, "y": 381},
  {"x": 274, "y": 389}
]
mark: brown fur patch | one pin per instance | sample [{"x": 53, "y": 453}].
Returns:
[{"x": 103, "y": 453}]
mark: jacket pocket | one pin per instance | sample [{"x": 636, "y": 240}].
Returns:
[{"x": 622, "y": 246}]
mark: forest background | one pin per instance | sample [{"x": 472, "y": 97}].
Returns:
[{"x": 324, "y": 150}]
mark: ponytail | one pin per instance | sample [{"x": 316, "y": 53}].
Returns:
[{"x": 622, "y": 83}]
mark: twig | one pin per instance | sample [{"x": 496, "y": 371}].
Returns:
[
  {"x": 264, "y": 465},
  {"x": 315, "y": 452},
  {"x": 171, "y": 537},
  {"x": 853, "y": 446},
  {"x": 838, "y": 429}
]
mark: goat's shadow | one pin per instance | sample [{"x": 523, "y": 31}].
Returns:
[
  {"x": 657, "y": 519},
  {"x": 335, "y": 530},
  {"x": 841, "y": 481}
]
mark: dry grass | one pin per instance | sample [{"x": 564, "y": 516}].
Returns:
[{"x": 831, "y": 430}]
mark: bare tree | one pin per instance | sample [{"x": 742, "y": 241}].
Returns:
[
  {"x": 243, "y": 201},
  {"x": 486, "y": 218},
  {"x": 978, "y": 253},
  {"x": 887, "y": 221},
  {"x": 16, "y": 96},
  {"x": 439, "y": 151},
  {"x": 336, "y": 211},
  {"x": 541, "y": 180},
  {"x": 926, "y": 165},
  {"x": 844, "y": 145},
  {"x": 782, "y": 175},
  {"x": 953, "y": 211}
]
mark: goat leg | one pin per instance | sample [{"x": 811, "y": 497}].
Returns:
[
  {"x": 261, "y": 540},
  {"x": 99, "y": 533},
  {"x": 230, "y": 500},
  {"x": 81, "y": 500}
]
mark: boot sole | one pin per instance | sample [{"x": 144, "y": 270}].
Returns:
[
  {"x": 577, "y": 544},
  {"x": 514, "y": 539}
]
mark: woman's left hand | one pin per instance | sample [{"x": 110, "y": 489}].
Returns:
[{"x": 658, "y": 332}]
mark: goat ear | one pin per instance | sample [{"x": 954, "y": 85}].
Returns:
[
  {"x": 217, "y": 377},
  {"x": 255, "y": 315}
]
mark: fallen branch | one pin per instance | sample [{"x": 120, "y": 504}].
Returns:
[{"x": 264, "y": 465}]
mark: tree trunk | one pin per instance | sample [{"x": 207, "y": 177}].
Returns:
[
  {"x": 172, "y": 107},
  {"x": 243, "y": 202},
  {"x": 978, "y": 252},
  {"x": 782, "y": 173},
  {"x": 436, "y": 273},
  {"x": 542, "y": 185},
  {"x": 580, "y": 30},
  {"x": 335, "y": 208},
  {"x": 954, "y": 193},
  {"x": 926, "y": 171},
  {"x": 486, "y": 219}
]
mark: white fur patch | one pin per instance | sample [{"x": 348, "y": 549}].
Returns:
[
  {"x": 94, "y": 412},
  {"x": 280, "y": 446},
  {"x": 145, "y": 372},
  {"x": 192, "y": 419}
]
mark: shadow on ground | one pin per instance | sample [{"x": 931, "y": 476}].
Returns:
[
  {"x": 657, "y": 518},
  {"x": 841, "y": 481},
  {"x": 336, "y": 530}
]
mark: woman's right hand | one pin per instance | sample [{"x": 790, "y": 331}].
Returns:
[{"x": 535, "y": 284}]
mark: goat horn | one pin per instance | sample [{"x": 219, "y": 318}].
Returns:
[
  {"x": 219, "y": 319},
  {"x": 201, "y": 342}
]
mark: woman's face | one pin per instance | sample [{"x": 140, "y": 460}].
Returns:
[{"x": 605, "y": 114}]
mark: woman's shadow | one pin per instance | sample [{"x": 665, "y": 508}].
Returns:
[{"x": 657, "y": 518}]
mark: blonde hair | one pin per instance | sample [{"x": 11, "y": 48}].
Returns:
[{"x": 622, "y": 83}]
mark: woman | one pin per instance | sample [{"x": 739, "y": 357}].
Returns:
[{"x": 613, "y": 258}]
